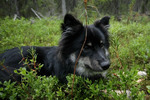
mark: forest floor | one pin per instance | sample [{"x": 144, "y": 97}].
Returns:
[{"x": 129, "y": 50}]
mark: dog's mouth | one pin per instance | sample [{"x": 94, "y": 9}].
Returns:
[
  {"x": 94, "y": 69},
  {"x": 98, "y": 68}
]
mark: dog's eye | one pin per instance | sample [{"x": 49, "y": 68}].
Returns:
[
  {"x": 101, "y": 43},
  {"x": 88, "y": 45}
]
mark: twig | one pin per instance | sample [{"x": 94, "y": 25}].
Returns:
[
  {"x": 40, "y": 14},
  {"x": 35, "y": 13},
  {"x": 85, "y": 3},
  {"x": 117, "y": 55}
]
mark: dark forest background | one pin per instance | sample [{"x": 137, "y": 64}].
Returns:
[{"x": 47, "y": 8}]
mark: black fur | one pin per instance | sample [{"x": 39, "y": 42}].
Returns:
[{"x": 59, "y": 60}]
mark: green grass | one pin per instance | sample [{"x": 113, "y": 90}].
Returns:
[
  {"x": 130, "y": 52},
  {"x": 23, "y": 32}
]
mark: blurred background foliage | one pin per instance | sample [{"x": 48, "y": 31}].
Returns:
[{"x": 22, "y": 8}]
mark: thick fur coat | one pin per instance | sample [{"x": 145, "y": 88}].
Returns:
[{"x": 60, "y": 60}]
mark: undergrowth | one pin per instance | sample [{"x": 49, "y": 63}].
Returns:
[{"x": 130, "y": 53}]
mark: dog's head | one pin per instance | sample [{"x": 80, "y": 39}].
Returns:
[{"x": 95, "y": 56}]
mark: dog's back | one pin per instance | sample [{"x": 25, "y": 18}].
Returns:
[{"x": 15, "y": 58}]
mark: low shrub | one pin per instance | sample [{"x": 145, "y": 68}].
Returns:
[{"x": 129, "y": 53}]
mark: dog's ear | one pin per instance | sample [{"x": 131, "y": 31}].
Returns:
[
  {"x": 70, "y": 21},
  {"x": 104, "y": 22}
]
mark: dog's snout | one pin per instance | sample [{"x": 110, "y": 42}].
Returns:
[{"x": 105, "y": 65}]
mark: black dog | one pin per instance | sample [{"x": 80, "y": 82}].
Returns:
[{"x": 60, "y": 60}]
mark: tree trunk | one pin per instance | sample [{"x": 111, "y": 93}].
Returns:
[
  {"x": 137, "y": 5},
  {"x": 35, "y": 4},
  {"x": 17, "y": 10},
  {"x": 64, "y": 11},
  {"x": 116, "y": 8},
  {"x": 144, "y": 6}
]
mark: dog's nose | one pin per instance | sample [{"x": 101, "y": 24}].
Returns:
[{"x": 105, "y": 65}]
